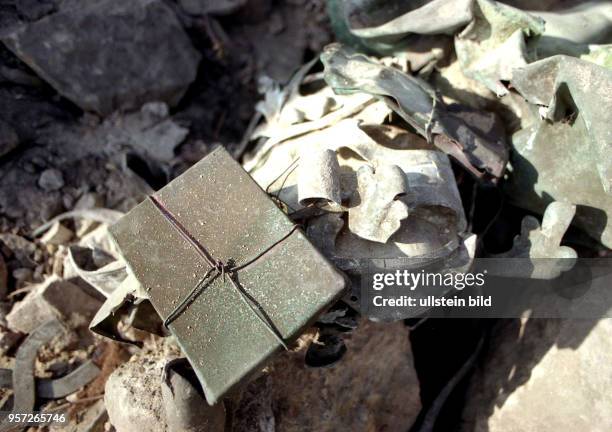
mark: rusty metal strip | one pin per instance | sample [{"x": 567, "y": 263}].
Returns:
[
  {"x": 57, "y": 388},
  {"x": 23, "y": 374}
]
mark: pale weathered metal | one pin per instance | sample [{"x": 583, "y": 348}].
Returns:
[{"x": 219, "y": 204}]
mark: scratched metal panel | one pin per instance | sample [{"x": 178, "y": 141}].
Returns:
[{"x": 219, "y": 203}]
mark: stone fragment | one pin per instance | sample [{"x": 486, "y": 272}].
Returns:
[
  {"x": 108, "y": 55},
  {"x": 543, "y": 375},
  {"x": 8, "y": 339},
  {"x": 185, "y": 408},
  {"x": 50, "y": 180},
  {"x": 54, "y": 298},
  {"x": 373, "y": 388},
  {"x": 8, "y": 138},
  {"x": 133, "y": 396},
  {"x": 58, "y": 234}
]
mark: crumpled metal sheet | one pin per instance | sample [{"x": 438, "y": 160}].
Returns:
[
  {"x": 491, "y": 38},
  {"x": 417, "y": 103},
  {"x": 536, "y": 242},
  {"x": 319, "y": 177},
  {"x": 494, "y": 43},
  {"x": 562, "y": 84},
  {"x": 576, "y": 101},
  {"x": 433, "y": 17},
  {"x": 377, "y": 213},
  {"x": 435, "y": 211}
]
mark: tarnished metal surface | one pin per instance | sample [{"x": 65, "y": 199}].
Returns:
[{"x": 222, "y": 207}]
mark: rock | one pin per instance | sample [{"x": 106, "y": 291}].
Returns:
[
  {"x": 216, "y": 7},
  {"x": 88, "y": 201},
  {"x": 3, "y": 278},
  {"x": 543, "y": 375},
  {"x": 8, "y": 340},
  {"x": 50, "y": 180},
  {"x": 9, "y": 140},
  {"x": 374, "y": 387},
  {"x": 109, "y": 55},
  {"x": 58, "y": 234},
  {"x": 185, "y": 408},
  {"x": 54, "y": 298},
  {"x": 22, "y": 274},
  {"x": 133, "y": 396}
]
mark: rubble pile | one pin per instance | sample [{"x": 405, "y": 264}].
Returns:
[{"x": 193, "y": 192}]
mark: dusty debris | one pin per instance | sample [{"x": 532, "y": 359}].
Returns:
[
  {"x": 90, "y": 53},
  {"x": 381, "y": 395},
  {"x": 52, "y": 299}
]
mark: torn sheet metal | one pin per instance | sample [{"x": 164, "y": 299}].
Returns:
[
  {"x": 494, "y": 43},
  {"x": 116, "y": 307},
  {"x": 223, "y": 211},
  {"x": 436, "y": 214},
  {"x": 319, "y": 177},
  {"x": 576, "y": 100},
  {"x": 538, "y": 248},
  {"x": 377, "y": 213},
  {"x": 105, "y": 280},
  {"x": 377, "y": 22},
  {"x": 416, "y": 102}
]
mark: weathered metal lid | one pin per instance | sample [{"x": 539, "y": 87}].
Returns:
[{"x": 227, "y": 212}]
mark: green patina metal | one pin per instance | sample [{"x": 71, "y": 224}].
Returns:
[{"x": 228, "y": 213}]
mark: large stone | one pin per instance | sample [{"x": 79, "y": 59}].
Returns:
[
  {"x": 545, "y": 376},
  {"x": 54, "y": 298},
  {"x": 132, "y": 396},
  {"x": 373, "y": 388},
  {"x": 110, "y": 54}
]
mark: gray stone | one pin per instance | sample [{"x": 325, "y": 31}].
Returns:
[
  {"x": 50, "y": 180},
  {"x": 8, "y": 138},
  {"x": 543, "y": 375},
  {"x": 51, "y": 299},
  {"x": 108, "y": 55},
  {"x": 218, "y": 7},
  {"x": 132, "y": 396}
]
